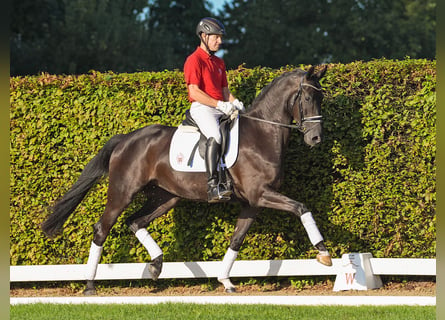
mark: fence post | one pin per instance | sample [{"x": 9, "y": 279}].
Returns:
[{"x": 355, "y": 273}]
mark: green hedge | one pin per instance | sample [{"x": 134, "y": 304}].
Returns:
[{"x": 370, "y": 184}]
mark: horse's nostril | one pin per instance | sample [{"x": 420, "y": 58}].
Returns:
[{"x": 316, "y": 139}]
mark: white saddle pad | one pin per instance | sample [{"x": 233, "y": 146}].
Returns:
[{"x": 183, "y": 141}]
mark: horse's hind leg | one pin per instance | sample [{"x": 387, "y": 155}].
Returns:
[
  {"x": 245, "y": 220},
  {"x": 116, "y": 203},
  {"x": 159, "y": 202}
]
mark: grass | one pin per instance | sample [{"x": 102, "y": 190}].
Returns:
[{"x": 215, "y": 312}]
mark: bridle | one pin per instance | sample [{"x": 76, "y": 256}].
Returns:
[
  {"x": 312, "y": 119},
  {"x": 299, "y": 126}
]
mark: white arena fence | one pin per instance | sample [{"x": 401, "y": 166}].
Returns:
[{"x": 372, "y": 268}]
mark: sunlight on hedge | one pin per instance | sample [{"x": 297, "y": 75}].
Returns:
[{"x": 370, "y": 185}]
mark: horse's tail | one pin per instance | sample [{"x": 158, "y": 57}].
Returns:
[{"x": 65, "y": 206}]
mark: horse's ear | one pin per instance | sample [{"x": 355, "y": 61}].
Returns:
[
  {"x": 321, "y": 73},
  {"x": 309, "y": 72}
]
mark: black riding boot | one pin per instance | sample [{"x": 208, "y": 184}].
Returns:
[{"x": 212, "y": 157}]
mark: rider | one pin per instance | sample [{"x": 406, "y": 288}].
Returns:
[{"x": 206, "y": 79}]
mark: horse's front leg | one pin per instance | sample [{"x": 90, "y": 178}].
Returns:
[
  {"x": 275, "y": 200},
  {"x": 245, "y": 219}
]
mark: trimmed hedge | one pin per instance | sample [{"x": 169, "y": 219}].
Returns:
[{"x": 370, "y": 184}]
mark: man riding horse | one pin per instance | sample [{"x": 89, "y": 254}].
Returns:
[
  {"x": 139, "y": 160},
  {"x": 206, "y": 79}
]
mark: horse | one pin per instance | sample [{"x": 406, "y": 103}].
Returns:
[{"x": 139, "y": 162}]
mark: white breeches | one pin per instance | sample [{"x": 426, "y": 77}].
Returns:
[{"x": 207, "y": 119}]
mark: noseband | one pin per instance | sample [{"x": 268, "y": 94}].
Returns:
[{"x": 299, "y": 126}]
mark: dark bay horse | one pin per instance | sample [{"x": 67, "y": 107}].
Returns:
[{"x": 139, "y": 161}]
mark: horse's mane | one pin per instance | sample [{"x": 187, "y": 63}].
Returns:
[{"x": 265, "y": 97}]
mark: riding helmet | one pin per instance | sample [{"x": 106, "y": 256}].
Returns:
[{"x": 210, "y": 26}]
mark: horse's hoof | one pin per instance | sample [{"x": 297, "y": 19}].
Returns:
[
  {"x": 155, "y": 267},
  {"x": 90, "y": 289},
  {"x": 230, "y": 290},
  {"x": 228, "y": 285},
  {"x": 89, "y": 292},
  {"x": 324, "y": 259}
]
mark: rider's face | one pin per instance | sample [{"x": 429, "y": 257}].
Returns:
[{"x": 214, "y": 41}]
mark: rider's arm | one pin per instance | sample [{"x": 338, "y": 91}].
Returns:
[
  {"x": 228, "y": 95},
  {"x": 200, "y": 96}
]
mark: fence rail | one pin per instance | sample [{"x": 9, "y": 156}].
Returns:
[{"x": 210, "y": 269}]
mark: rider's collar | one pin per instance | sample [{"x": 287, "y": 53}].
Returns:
[{"x": 203, "y": 53}]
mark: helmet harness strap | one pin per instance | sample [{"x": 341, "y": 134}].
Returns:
[{"x": 206, "y": 43}]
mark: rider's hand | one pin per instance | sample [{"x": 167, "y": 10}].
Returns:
[
  {"x": 225, "y": 107},
  {"x": 239, "y": 105}
]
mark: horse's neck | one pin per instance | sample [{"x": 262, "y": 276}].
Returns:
[
  {"x": 276, "y": 135},
  {"x": 270, "y": 105},
  {"x": 271, "y": 110}
]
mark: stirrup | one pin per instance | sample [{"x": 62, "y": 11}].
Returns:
[
  {"x": 223, "y": 191},
  {"x": 215, "y": 195}
]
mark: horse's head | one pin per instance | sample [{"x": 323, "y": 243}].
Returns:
[
  {"x": 306, "y": 106},
  {"x": 300, "y": 94}
]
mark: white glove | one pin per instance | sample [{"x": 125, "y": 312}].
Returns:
[
  {"x": 225, "y": 107},
  {"x": 239, "y": 105}
]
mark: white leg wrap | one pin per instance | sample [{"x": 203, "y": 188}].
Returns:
[
  {"x": 93, "y": 261},
  {"x": 152, "y": 247},
  {"x": 227, "y": 264},
  {"x": 311, "y": 228}
]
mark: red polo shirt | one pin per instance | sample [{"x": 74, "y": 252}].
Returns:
[{"x": 208, "y": 72}]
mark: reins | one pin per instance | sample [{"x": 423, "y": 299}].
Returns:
[
  {"x": 298, "y": 126},
  {"x": 291, "y": 126}
]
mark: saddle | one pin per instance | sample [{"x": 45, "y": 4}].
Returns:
[
  {"x": 188, "y": 146},
  {"x": 225, "y": 124}
]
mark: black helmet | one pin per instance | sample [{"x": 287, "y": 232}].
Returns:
[{"x": 210, "y": 26}]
